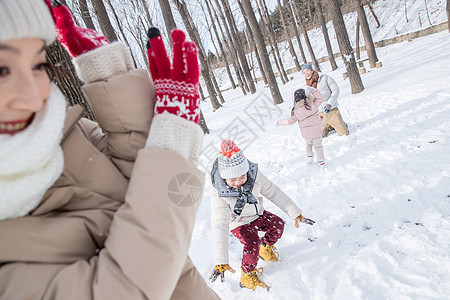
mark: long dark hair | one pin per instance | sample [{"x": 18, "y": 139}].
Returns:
[{"x": 300, "y": 95}]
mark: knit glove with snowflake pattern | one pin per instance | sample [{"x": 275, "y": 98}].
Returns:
[
  {"x": 95, "y": 58},
  {"x": 175, "y": 123},
  {"x": 76, "y": 40},
  {"x": 176, "y": 84}
]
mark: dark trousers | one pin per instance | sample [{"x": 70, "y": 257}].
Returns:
[{"x": 247, "y": 234}]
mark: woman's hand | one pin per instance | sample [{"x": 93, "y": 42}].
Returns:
[
  {"x": 76, "y": 40},
  {"x": 176, "y": 85}
]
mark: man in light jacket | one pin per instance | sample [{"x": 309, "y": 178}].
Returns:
[{"x": 328, "y": 110}]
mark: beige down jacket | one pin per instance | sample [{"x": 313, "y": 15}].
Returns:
[
  {"x": 223, "y": 219},
  {"x": 108, "y": 228}
]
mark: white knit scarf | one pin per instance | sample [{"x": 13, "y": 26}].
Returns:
[{"x": 32, "y": 160}]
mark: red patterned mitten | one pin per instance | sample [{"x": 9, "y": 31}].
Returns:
[
  {"x": 176, "y": 86},
  {"x": 75, "y": 39}
]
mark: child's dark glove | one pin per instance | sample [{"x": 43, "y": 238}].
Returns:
[
  {"x": 219, "y": 270},
  {"x": 76, "y": 40},
  {"x": 327, "y": 108},
  {"x": 302, "y": 219},
  {"x": 176, "y": 86}
]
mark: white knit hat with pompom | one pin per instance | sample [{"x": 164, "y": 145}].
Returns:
[{"x": 26, "y": 19}]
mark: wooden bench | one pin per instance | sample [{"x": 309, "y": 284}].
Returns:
[
  {"x": 361, "y": 68},
  {"x": 361, "y": 61}
]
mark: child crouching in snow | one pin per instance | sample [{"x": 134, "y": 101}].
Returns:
[
  {"x": 237, "y": 205},
  {"x": 306, "y": 113}
]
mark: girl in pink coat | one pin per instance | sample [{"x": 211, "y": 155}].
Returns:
[{"x": 306, "y": 113}]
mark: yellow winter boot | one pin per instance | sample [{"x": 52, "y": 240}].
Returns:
[
  {"x": 268, "y": 252},
  {"x": 251, "y": 281}
]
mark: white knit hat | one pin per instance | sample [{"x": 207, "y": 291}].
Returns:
[
  {"x": 26, "y": 19},
  {"x": 232, "y": 163}
]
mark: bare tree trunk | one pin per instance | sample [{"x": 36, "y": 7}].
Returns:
[
  {"x": 273, "y": 41},
  {"x": 238, "y": 45},
  {"x": 373, "y": 14},
  {"x": 288, "y": 38},
  {"x": 406, "y": 13},
  {"x": 308, "y": 2},
  {"x": 139, "y": 36},
  {"x": 253, "y": 45},
  {"x": 294, "y": 26},
  {"x": 119, "y": 24},
  {"x": 305, "y": 34},
  {"x": 272, "y": 49},
  {"x": 169, "y": 21},
  {"x": 448, "y": 14},
  {"x": 202, "y": 123},
  {"x": 345, "y": 47},
  {"x": 248, "y": 13},
  {"x": 358, "y": 56},
  {"x": 103, "y": 20},
  {"x": 214, "y": 81},
  {"x": 227, "y": 65},
  {"x": 230, "y": 47},
  {"x": 71, "y": 9},
  {"x": 85, "y": 14},
  {"x": 147, "y": 14},
  {"x": 370, "y": 47},
  {"x": 426, "y": 9},
  {"x": 193, "y": 33},
  {"x": 66, "y": 78},
  {"x": 326, "y": 37},
  {"x": 216, "y": 85}
]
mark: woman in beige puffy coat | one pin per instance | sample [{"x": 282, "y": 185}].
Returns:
[{"x": 86, "y": 209}]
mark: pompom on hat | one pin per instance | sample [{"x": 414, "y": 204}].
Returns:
[
  {"x": 26, "y": 19},
  {"x": 232, "y": 163},
  {"x": 307, "y": 66}
]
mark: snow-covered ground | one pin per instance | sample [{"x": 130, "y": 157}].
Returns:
[{"x": 381, "y": 204}]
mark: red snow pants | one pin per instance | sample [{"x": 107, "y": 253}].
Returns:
[{"x": 247, "y": 234}]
